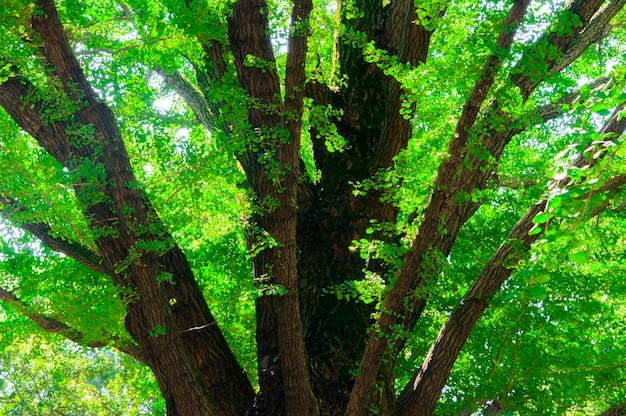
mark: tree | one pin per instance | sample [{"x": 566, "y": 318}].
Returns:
[{"x": 399, "y": 170}]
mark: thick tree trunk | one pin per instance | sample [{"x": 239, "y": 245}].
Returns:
[
  {"x": 273, "y": 172},
  {"x": 308, "y": 352},
  {"x": 333, "y": 328},
  {"x": 334, "y": 217},
  {"x": 166, "y": 313},
  {"x": 330, "y": 217}
]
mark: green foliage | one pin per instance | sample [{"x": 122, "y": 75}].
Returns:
[
  {"x": 367, "y": 290},
  {"x": 320, "y": 119},
  {"x": 157, "y": 330},
  {"x": 45, "y": 377},
  {"x": 551, "y": 341}
]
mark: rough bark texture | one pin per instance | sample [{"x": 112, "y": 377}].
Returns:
[
  {"x": 127, "y": 229},
  {"x": 375, "y": 132},
  {"x": 283, "y": 370},
  {"x": 310, "y": 345}
]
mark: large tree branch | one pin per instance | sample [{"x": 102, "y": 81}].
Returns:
[
  {"x": 42, "y": 231},
  {"x": 248, "y": 32},
  {"x": 28, "y": 115},
  {"x": 420, "y": 395},
  {"x": 192, "y": 96},
  {"x": 559, "y": 107},
  {"x": 535, "y": 65},
  {"x": 439, "y": 209},
  {"x": 58, "y": 53},
  {"x": 272, "y": 165},
  {"x": 485, "y": 80},
  {"x": 206, "y": 372},
  {"x": 611, "y": 187},
  {"x": 299, "y": 397},
  {"x": 55, "y": 326},
  {"x": 598, "y": 28},
  {"x": 616, "y": 410},
  {"x": 468, "y": 167},
  {"x": 613, "y": 184},
  {"x": 408, "y": 37},
  {"x": 78, "y": 252}
]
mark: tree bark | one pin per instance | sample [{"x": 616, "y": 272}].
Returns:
[
  {"x": 461, "y": 172},
  {"x": 196, "y": 371},
  {"x": 273, "y": 171},
  {"x": 616, "y": 410}
]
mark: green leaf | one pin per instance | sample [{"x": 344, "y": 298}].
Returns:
[
  {"x": 539, "y": 293},
  {"x": 542, "y": 217},
  {"x": 541, "y": 278},
  {"x": 579, "y": 257}
]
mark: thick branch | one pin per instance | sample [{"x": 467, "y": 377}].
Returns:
[
  {"x": 616, "y": 410},
  {"x": 299, "y": 397},
  {"x": 78, "y": 252},
  {"x": 248, "y": 33},
  {"x": 57, "y": 327},
  {"x": 272, "y": 166},
  {"x": 486, "y": 78},
  {"x": 42, "y": 231},
  {"x": 59, "y": 54},
  {"x": 405, "y": 35},
  {"x": 555, "y": 109},
  {"x": 466, "y": 168},
  {"x": 409, "y": 38},
  {"x": 611, "y": 187},
  {"x": 613, "y": 184},
  {"x": 191, "y": 95},
  {"x": 420, "y": 395},
  {"x": 598, "y": 28},
  {"x": 430, "y": 237},
  {"x": 27, "y": 114},
  {"x": 535, "y": 66}
]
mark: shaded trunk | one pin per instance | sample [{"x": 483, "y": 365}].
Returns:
[
  {"x": 333, "y": 328},
  {"x": 334, "y": 217}
]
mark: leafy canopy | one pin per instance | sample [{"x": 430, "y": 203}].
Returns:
[{"x": 551, "y": 340}]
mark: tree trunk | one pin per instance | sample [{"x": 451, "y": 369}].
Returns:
[
  {"x": 273, "y": 172},
  {"x": 313, "y": 351},
  {"x": 166, "y": 313}
]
